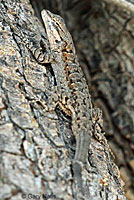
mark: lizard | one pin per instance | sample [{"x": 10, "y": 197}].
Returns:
[{"x": 72, "y": 88}]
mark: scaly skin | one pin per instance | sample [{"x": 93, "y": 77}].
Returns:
[{"x": 72, "y": 88}]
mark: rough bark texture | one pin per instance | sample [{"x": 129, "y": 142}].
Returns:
[{"x": 37, "y": 147}]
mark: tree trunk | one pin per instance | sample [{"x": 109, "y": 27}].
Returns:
[{"x": 37, "y": 147}]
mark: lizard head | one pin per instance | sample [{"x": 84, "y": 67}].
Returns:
[{"x": 55, "y": 28}]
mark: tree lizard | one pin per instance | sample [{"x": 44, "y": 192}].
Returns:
[{"x": 72, "y": 89}]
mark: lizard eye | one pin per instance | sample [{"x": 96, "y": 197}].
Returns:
[{"x": 56, "y": 41}]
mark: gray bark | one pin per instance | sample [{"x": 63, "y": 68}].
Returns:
[{"x": 36, "y": 147}]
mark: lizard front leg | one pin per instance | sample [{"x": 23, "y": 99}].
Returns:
[{"x": 40, "y": 50}]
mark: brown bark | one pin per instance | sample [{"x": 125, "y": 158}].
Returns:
[{"x": 37, "y": 147}]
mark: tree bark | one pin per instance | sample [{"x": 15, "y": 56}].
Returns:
[{"x": 37, "y": 147}]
